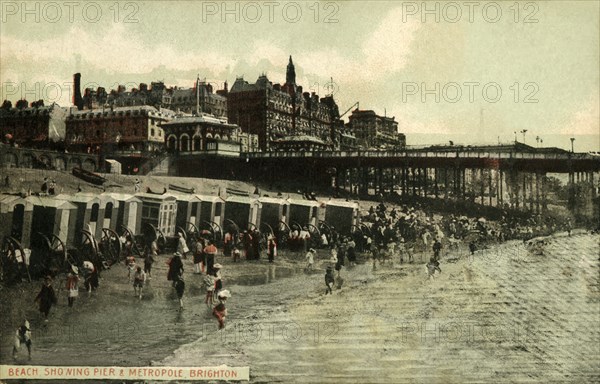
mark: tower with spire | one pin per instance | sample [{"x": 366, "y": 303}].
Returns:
[{"x": 290, "y": 75}]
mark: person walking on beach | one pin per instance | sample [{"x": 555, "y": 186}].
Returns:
[
  {"x": 351, "y": 251},
  {"x": 130, "y": 260},
  {"x": 179, "y": 285},
  {"x": 329, "y": 280},
  {"x": 236, "y": 254},
  {"x": 272, "y": 249},
  {"x": 46, "y": 297},
  {"x": 472, "y": 247},
  {"x": 333, "y": 259},
  {"x": 304, "y": 237},
  {"x": 209, "y": 283},
  {"x": 228, "y": 244},
  {"x": 198, "y": 253},
  {"x": 219, "y": 311},
  {"x": 175, "y": 268},
  {"x": 247, "y": 244},
  {"x": 210, "y": 251},
  {"x": 151, "y": 254},
  {"x": 22, "y": 336},
  {"x": 218, "y": 278},
  {"x": 437, "y": 248},
  {"x": 182, "y": 247},
  {"x": 310, "y": 259},
  {"x": 139, "y": 278},
  {"x": 256, "y": 245},
  {"x": 91, "y": 281},
  {"x": 432, "y": 267},
  {"x": 72, "y": 285}
]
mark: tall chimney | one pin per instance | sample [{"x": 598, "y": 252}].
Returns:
[{"x": 77, "y": 99}]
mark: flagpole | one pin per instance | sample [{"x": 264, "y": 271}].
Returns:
[{"x": 197, "y": 96}]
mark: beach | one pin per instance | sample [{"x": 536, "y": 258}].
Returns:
[{"x": 504, "y": 314}]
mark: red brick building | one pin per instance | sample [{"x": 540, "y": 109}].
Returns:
[
  {"x": 129, "y": 134},
  {"x": 33, "y": 127},
  {"x": 274, "y": 111}
]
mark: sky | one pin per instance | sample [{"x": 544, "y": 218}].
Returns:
[{"x": 471, "y": 72}]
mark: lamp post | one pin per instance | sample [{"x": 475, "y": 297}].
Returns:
[
  {"x": 515, "y": 137},
  {"x": 572, "y": 140},
  {"x": 523, "y": 132}
]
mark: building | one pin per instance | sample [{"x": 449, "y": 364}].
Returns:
[
  {"x": 299, "y": 143},
  {"x": 275, "y": 111},
  {"x": 33, "y": 127},
  {"x": 345, "y": 140},
  {"x": 130, "y": 135},
  {"x": 207, "y": 133},
  {"x": 374, "y": 131},
  {"x": 185, "y": 100},
  {"x": 182, "y": 100}
]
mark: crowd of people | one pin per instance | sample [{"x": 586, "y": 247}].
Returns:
[{"x": 398, "y": 233}]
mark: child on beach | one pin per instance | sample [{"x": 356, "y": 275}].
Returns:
[
  {"x": 219, "y": 311},
  {"x": 333, "y": 260},
  {"x": 22, "y": 336},
  {"x": 209, "y": 283},
  {"x": 130, "y": 261},
  {"x": 139, "y": 278},
  {"x": 310, "y": 258},
  {"x": 236, "y": 254},
  {"x": 432, "y": 267},
  {"x": 72, "y": 285},
  {"x": 180, "y": 288},
  {"x": 218, "y": 278},
  {"x": 329, "y": 280}
]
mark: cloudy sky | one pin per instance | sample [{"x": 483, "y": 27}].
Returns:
[{"x": 473, "y": 73}]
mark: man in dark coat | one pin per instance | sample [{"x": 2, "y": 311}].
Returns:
[{"x": 46, "y": 297}]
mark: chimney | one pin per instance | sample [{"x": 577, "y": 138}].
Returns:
[{"x": 77, "y": 99}]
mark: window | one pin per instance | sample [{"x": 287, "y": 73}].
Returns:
[
  {"x": 108, "y": 211},
  {"x": 150, "y": 213},
  {"x": 152, "y": 132},
  {"x": 94, "y": 215},
  {"x": 184, "y": 143}
]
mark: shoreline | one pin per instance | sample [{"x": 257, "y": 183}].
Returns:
[{"x": 278, "y": 308}]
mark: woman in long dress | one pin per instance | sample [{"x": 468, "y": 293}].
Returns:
[{"x": 72, "y": 285}]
